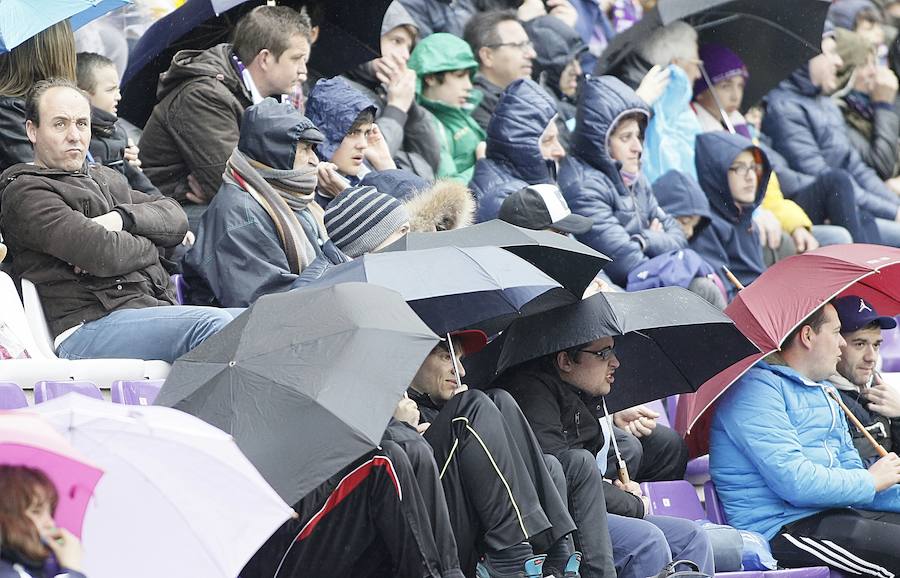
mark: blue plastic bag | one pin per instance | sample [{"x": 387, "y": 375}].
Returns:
[{"x": 672, "y": 130}]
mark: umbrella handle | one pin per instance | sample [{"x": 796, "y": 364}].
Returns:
[
  {"x": 734, "y": 280},
  {"x": 878, "y": 447},
  {"x": 623, "y": 472}
]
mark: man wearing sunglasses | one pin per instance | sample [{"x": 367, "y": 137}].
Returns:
[{"x": 559, "y": 395}]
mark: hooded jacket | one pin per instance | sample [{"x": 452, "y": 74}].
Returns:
[
  {"x": 807, "y": 128},
  {"x": 442, "y": 206},
  {"x": 513, "y": 159},
  {"x": 681, "y": 196},
  {"x": 196, "y": 122},
  {"x": 440, "y": 15},
  {"x": 332, "y": 107},
  {"x": 731, "y": 239},
  {"x": 780, "y": 451},
  {"x": 457, "y": 130},
  {"x": 16, "y": 146},
  {"x": 843, "y": 14},
  {"x": 592, "y": 186},
  {"x": 45, "y": 219},
  {"x": 108, "y": 144}
]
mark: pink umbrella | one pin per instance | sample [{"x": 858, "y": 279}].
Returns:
[
  {"x": 779, "y": 300},
  {"x": 27, "y": 440}
]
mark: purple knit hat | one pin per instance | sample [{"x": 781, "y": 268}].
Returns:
[{"x": 721, "y": 63}]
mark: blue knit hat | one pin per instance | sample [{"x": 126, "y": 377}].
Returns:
[{"x": 360, "y": 219}]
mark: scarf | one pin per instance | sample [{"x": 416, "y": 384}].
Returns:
[
  {"x": 287, "y": 196},
  {"x": 629, "y": 178}
]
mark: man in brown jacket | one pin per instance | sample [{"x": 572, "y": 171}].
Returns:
[
  {"x": 90, "y": 243},
  {"x": 196, "y": 123}
]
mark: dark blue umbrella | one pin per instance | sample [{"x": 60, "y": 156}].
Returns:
[
  {"x": 453, "y": 288},
  {"x": 22, "y": 19}
]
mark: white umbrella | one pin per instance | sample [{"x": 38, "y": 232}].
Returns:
[{"x": 178, "y": 497}]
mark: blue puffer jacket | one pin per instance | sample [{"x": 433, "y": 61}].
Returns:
[
  {"x": 513, "y": 160},
  {"x": 593, "y": 187},
  {"x": 780, "y": 451},
  {"x": 809, "y": 130},
  {"x": 731, "y": 238}
]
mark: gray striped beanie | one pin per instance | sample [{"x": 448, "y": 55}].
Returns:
[{"x": 360, "y": 218}]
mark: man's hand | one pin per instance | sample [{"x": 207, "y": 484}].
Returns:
[
  {"x": 111, "y": 221},
  {"x": 399, "y": 81},
  {"x": 189, "y": 239},
  {"x": 66, "y": 547},
  {"x": 597, "y": 286},
  {"x": 894, "y": 185},
  {"x": 195, "y": 192},
  {"x": 631, "y": 487},
  {"x": 407, "y": 411},
  {"x": 804, "y": 240},
  {"x": 769, "y": 228},
  {"x": 638, "y": 421},
  {"x": 563, "y": 10},
  {"x": 331, "y": 183},
  {"x": 885, "y": 472},
  {"x": 131, "y": 154},
  {"x": 377, "y": 153},
  {"x": 655, "y": 225},
  {"x": 654, "y": 84},
  {"x": 885, "y": 86},
  {"x": 883, "y": 399}
]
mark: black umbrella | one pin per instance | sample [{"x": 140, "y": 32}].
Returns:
[
  {"x": 350, "y": 34},
  {"x": 668, "y": 341},
  {"x": 772, "y": 37},
  {"x": 305, "y": 381},
  {"x": 570, "y": 262}
]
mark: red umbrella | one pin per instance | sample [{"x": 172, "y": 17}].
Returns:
[{"x": 779, "y": 300}]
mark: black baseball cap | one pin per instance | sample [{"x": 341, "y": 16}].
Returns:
[{"x": 542, "y": 207}]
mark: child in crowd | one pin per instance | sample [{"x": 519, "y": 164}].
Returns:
[{"x": 110, "y": 145}]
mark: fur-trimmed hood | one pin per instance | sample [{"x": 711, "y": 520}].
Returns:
[{"x": 447, "y": 205}]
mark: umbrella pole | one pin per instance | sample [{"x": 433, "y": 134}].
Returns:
[
  {"x": 734, "y": 280},
  {"x": 712, "y": 91},
  {"x": 620, "y": 463},
  {"x": 455, "y": 363},
  {"x": 878, "y": 447}
]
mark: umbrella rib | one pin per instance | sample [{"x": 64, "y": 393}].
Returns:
[{"x": 775, "y": 25}]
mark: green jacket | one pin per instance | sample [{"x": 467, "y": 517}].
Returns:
[{"x": 457, "y": 130}]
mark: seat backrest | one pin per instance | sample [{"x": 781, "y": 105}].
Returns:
[
  {"x": 12, "y": 396},
  {"x": 676, "y": 498},
  {"x": 657, "y": 406},
  {"x": 890, "y": 350},
  {"x": 46, "y": 390},
  {"x": 714, "y": 511},
  {"x": 34, "y": 311},
  {"x": 14, "y": 317},
  {"x": 178, "y": 283},
  {"x": 141, "y": 392}
]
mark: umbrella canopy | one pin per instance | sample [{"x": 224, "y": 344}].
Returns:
[
  {"x": 27, "y": 440},
  {"x": 769, "y": 309},
  {"x": 570, "y": 262},
  {"x": 453, "y": 288},
  {"x": 668, "y": 340},
  {"x": 22, "y": 19},
  {"x": 306, "y": 381},
  {"x": 350, "y": 34},
  {"x": 173, "y": 482},
  {"x": 772, "y": 37}
]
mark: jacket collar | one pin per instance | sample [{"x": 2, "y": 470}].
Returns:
[
  {"x": 788, "y": 372},
  {"x": 423, "y": 399}
]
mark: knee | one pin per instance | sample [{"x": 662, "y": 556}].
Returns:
[
  {"x": 500, "y": 397},
  {"x": 578, "y": 464},
  {"x": 837, "y": 181},
  {"x": 215, "y": 319}
]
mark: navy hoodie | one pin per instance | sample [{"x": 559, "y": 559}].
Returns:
[
  {"x": 680, "y": 196},
  {"x": 731, "y": 238}
]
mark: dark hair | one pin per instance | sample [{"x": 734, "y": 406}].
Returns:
[
  {"x": 85, "y": 64},
  {"x": 481, "y": 29},
  {"x": 365, "y": 116},
  {"x": 868, "y": 14},
  {"x": 638, "y": 117},
  {"x": 20, "y": 487},
  {"x": 815, "y": 321},
  {"x": 33, "y": 98},
  {"x": 268, "y": 28}
]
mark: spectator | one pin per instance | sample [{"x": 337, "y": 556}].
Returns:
[
  {"x": 861, "y": 16},
  {"x": 784, "y": 465},
  {"x": 361, "y": 220},
  {"x": 195, "y": 124},
  {"x": 263, "y": 232},
  {"x": 557, "y": 67},
  {"x": 110, "y": 145},
  {"x": 501, "y": 498},
  {"x": 504, "y": 53},
  {"x": 442, "y": 206},
  {"x": 47, "y": 54},
  {"x": 388, "y": 82},
  {"x": 733, "y": 174},
  {"x": 872, "y": 401},
  {"x": 90, "y": 243},
  {"x": 675, "y": 43},
  {"x": 868, "y": 100},
  {"x": 445, "y": 65},
  {"x": 599, "y": 22},
  {"x": 523, "y": 147},
  {"x": 27, "y": 504},
  {"x": 437, "y": 16},
  {"x": 601, "y": 179},
  {"x": 807, "y": 128},
  {"x": 554, "y": 393},
  {"x": 681, "y": 197}
]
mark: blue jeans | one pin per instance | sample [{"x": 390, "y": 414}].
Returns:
[
  {"x": 889, "y": 231},
  {"x": 642, "y": 548},
  {"x": 165, "y": 332},
  {"x": 831, "y": 235}
]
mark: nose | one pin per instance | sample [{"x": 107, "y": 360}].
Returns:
[
  {"x": 403, "y": 53},
  {"x": 871, "y": 353},
  {"x": 362, "y": 142},
  {"x": 558, "y": 151},
  {"x": 462, "y": 370},
  {"x": 637, "y": 146},
  {"x": 73, "y": 134},
  {"x": 614, "y": 361},
  {"x": 313, "y": 158}
]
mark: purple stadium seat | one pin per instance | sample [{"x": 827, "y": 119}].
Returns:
[
  {"x": 141, "y": 392},
  {"x": 743, "y": 574},
  {"x": 817, "y": 572},
  {"x": 677, "y": 498},
  {"x": 672, "y": 407},
  {"x": 714, "y": 511},
  {"x": 890, "y": 351},
  {"x": 697, "y": 470},
  {"x": 12, "y": 396},
  {"x": 178, "y": 282},
  {"x": 658, "y": 407},
  {"x": 45, "y": 390}
]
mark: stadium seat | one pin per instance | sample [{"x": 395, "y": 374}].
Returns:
[
  {"x": 697, "y": 470},
  {"x": 658, "y": 407},
  {"x": 34, "y": 312},
  {"x": 676, "y": 498},
  {"x": 714, "y": 511},
  {"x": 178, "y": 282},
  {"x": 46, "y": 390},
  {"x": 890, "y": 350},
  {"x": 141, "y": 392},
  {"x": 12, "y": 396}
]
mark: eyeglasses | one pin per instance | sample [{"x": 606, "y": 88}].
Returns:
[
  {"x": 603, "y": 354},
  {"x": 524, "y": 46},
  {"x": 744, "y": 169}
]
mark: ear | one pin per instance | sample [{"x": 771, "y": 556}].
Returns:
[
  {"x": 313, "y": 35},
  {"x": 31, "y": 131},
  {"x": 264, "y": 59},
  {"x": 806, "y": 333},
  {"x": 563, "y": 362},
  {"x": 486, "y": 57}
]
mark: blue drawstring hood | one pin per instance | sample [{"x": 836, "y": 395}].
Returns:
[
  {"x": 332, "y": 107},
  {"x": 681, "y": 196}
]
